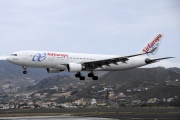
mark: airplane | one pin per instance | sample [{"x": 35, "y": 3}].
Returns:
[{"x": 55, "y": 62}]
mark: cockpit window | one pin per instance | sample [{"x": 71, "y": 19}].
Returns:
[{"x": 13, "y": 54}]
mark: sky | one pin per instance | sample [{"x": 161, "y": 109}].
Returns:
[{"x": 114, "y": 27}]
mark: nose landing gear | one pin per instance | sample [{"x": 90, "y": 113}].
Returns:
[{"x": 24, "y": 72}]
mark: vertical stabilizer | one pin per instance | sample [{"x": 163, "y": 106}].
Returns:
[{"x": 154, "y": 43}]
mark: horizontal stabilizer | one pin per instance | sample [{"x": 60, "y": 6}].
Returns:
[{"x": 148, "y": 61}]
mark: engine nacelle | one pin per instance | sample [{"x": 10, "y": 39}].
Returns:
[
  {"x": 52, "y": 70},
  {"x": 74, "y": 67},
  {"x": 148, "y": 61}
]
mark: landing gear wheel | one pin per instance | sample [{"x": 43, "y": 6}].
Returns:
[
  {"x": 77, "y": 75},
  {"x": 95, "y": 77},
  {"x": 24, "y": 68},
  {"x": 82, "y": 78},
  {"x": 90, "y": 74},
  {"x": 24, "y": 72}
]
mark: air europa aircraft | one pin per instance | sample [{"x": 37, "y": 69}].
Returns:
[{"x": 55, "y": 62}]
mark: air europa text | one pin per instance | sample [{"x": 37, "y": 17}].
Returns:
[{"x": 150, "y": 45}]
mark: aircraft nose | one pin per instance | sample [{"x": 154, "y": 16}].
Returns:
[{"x": 8, "y": 59}]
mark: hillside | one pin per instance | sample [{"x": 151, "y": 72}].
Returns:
[
  {"x": 12, "y": 75},
  {"x": 160, "y": 82},
  {"x": 175, "y": 69},
  {"x": 61, "y": 80},
  {"x": 143, "y": 83},
  {"x": 159, "y": 91},
  {"x": 158, "y": 74},
  {"x": 53, "y": 81}
]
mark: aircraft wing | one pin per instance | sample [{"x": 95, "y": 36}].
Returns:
[{"x": 99, "y": 63}]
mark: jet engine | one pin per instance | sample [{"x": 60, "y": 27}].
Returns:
[
  {"x": 148, "y": 61},
  {"x": 75, "y": 67},
  {"x": 52, "y": 70}
]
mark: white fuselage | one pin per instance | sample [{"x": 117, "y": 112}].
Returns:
[
  {"x": 59, "y": 60},
  {"x": 55, "y": 62}
]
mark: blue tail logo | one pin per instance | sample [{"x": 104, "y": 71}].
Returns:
[{"x": 154, "y": 52}]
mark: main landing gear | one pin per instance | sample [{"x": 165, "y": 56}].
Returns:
[
  {"x": 91, "y": 74},
  {"x": 81, "y": 77},
  {"x": 24, "y": 72}
]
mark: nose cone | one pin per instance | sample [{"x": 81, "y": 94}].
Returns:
[{"x": 9, "y": 59}]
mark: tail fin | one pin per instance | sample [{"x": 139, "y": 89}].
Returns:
[{"x": 154, "y": 43}]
